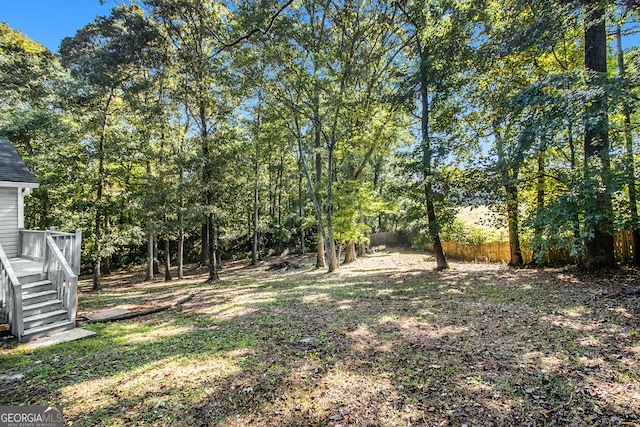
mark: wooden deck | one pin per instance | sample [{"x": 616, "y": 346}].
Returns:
[{"x": 25, "y": 267}]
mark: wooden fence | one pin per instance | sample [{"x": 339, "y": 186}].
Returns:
[{"x": 500, "y": 252}]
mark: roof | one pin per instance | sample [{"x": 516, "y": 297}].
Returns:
[{"x": 13, "y": 171}]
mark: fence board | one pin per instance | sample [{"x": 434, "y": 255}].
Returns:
[{"x": 500, "y": 251}]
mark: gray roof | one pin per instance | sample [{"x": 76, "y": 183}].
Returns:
[{"x": 12, "y": 168}]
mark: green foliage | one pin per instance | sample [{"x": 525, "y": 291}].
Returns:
[{"x": 165, "y": 115}]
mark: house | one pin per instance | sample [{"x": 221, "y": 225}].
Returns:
[{"x": 38, "y": 269}]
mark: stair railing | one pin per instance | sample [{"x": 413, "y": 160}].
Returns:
[
  {"x": 62, "y": 277},
  {"x": 11, "y": 294},
  {"x": 33, "y": 244}
]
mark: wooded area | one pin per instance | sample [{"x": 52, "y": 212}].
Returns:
[{"x": 194, "y": 130}]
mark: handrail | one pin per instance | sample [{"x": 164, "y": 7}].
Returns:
[
  {"x": 11, "y": 295},
  {"x": 67, "y": 293},
  {"x": 57, "y": 253},
  {"x": 7, "y": 266},
  {"x": 32, "y": 245},
  {"x": 61, "y": 233}
]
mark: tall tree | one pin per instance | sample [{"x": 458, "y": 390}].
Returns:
[
  {"x": 629, "y": 158},
  {"x": 599, "y": 249},
  {"x": 102, "y": 55}
]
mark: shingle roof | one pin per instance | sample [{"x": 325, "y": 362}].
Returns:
[{"x": 12, "y": 168}]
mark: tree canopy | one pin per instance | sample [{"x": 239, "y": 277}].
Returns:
[{"x": 230, "y": 129}]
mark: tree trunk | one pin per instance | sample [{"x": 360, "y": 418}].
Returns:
[
  {"x": 204, "y": 250},
  {"x": 303, "y": 249},
  {"x": 101, "y": 177},
  {"x": 181, "y": 238},
  {"x": 213, "y": 258},
  {"x": 106, "y": 265},
  {"x": 156, "y": 267},
  {"x": 279, "y": 208},
  {"x": 181, "y": 254},
  {"x": 599, "y": 249},
  {"x": 320, "y": 254},
  {"x": 509, "y": 177},
  {"x": 377, "y": 183},
  {"x": 350, "y": 253},
  {"x": 332, "y": 257},
  {"x": 441, "y": 261},
  {"x": 538, "y": 250},
  {"x": 256, "y": 207},
  {"x": 629, "y": 159},
  {"x": 205, "y": 254},
  {"x": 181, "y": 209},
  {"x": 149, "y": 251},
  {"x": 512, "y": 220},
  {"x": 167, "y": 260}
]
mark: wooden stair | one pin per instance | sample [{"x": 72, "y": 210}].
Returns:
[{"x": 43, "y": 312}]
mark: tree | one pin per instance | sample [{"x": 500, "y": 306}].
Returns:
[
  {"x": 102, "y": 56},
  {"x": 629, "y": 158},
  {"x": 599, "y": 251}
]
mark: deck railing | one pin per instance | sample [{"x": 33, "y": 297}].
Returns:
[
  {"x": 11, "y": 295},
  {"x": 33, "y": 245},
  {"x": 62, "y": 277}
]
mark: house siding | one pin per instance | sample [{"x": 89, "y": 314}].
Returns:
[{"x": 9, "y": 221}]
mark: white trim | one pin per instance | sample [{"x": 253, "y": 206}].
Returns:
[
  {"x": 22, "y": 192},
  {"x": 19, "y": 184}
]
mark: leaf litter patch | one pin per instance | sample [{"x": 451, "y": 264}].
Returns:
[{"x": 386, "y": 341}]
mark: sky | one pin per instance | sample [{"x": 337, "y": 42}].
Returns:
[{"x": 49, "y": 21}]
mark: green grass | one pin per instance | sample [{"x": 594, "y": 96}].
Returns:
[{"x": 402, "y": 345}]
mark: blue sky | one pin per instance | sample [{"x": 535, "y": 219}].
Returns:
[{"x": 49, "y": 21}]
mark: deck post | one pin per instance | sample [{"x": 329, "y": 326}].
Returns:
[
  {"x": 77, "y": 252},
  {"x": 47, "y": 255},
  {"x": 20, "y": 237},
  {"x": 17, "y": 321}
]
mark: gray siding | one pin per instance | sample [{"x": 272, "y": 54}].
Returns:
[{"x": 9, "y": 220}]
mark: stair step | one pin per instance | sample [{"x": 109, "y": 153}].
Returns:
[
  {"x": 30, "y": 278},
  {"x": 38, "y": 297},
  {"x": 41, "y": 307},
  {"x": 49, "y": 329},
  {"x": 33, "y": 287},
  {"x": 44, "y": 318}
]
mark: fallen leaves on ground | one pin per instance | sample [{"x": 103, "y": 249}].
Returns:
[{"x": 386, "y": 341}]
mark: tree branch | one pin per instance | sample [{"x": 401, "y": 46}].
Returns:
[{"x": 264, "y": 31}]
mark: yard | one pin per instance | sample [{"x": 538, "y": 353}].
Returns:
[{"x": 386, "y": 341}]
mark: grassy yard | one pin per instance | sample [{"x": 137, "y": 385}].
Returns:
[{"x": 384, "y": 342}]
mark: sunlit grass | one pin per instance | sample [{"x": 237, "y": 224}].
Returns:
[{"x": 386, "y": 342}]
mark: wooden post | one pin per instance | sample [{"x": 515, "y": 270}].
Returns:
[
  {"x": 77, "y": 252},
  {"x": 73, "y": 297},
  {"x": 20, "y": 237},
  {"x": 45, "y": 247},
  {"x": 17, "y": 321}
]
